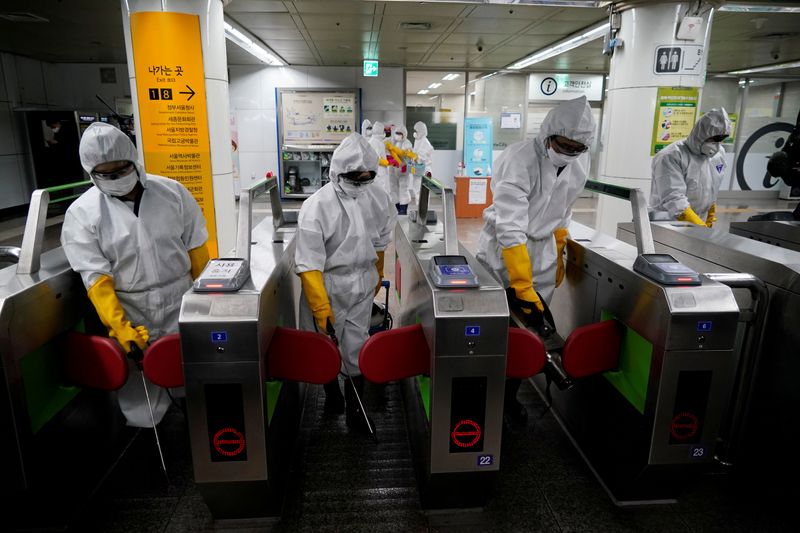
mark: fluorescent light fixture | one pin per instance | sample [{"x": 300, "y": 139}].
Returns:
[
  {"x": 744, "y": 7},
  {"x": 433, "y": 98},
  {"x": 450, "y": 77},
  {"x": 588, "y": 35},
  {"x": 487, "y": 76},
  {"x": 250, "y": 43},
  {"x": 423, "y": 91},
  {"x": 434, "y": 85},
  {"x": 766, "y": 68},
  {"x": 472, "y": 93},
  {"x": 550, "y": 3}
]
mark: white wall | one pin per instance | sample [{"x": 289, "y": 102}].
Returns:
[
  {"x": 31, "y": 84},
  {"x": 252, "y": 94}
]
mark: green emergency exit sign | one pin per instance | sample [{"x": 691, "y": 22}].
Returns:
[{"x": 370, "y": 68}]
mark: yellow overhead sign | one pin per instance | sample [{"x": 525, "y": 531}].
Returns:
[{"x": 171, "y": 92}]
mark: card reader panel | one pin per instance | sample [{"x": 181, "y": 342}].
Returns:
[
  {"x": 226, "y": 274},
  {"x": 665, "y": 269},
  {"x": 452, "y": 272}
]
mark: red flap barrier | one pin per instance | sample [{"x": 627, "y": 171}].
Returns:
[
  {"x": 592, "y": 349},
  {"x": 395, "y": 354},
  {"x": 92, "y": 361},
  {"x": 305, "y": 356},
  {"x": 526, "y": 354},
  {"x": 162, "y": 363}
]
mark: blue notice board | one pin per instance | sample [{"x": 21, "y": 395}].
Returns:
[{"x": 478, "y": 146}]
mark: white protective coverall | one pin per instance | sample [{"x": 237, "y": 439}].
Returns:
[
  {"x": 366, "y": 127},
  {"x": 424, "y": 150},
  {"x": 683, "y": 176},
  {"x": 376, "y": 140},
  {"x": 338, "y": 234},
  {"x": 145, "y": 254},
  {"x": 398, "y": 177},
  {"x": 531, "y": 199}
]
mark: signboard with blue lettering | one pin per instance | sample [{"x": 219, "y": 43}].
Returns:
[{"x": 478, "y": 147}]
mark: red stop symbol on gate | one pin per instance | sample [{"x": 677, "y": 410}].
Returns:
[
  {"x": 684, "y": 426},
  {"x": 466, "y": 434},
  {"x": 228, "y": 442}
]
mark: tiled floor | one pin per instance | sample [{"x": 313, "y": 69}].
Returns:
[{"x": 544, "y": 484}]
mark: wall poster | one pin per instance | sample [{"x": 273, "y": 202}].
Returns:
[
  {"x": 676, "y": 113},
  {"x": 317, "y": 117}
]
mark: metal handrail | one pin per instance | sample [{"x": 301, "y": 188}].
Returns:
[
  {"x": 57, "y": 188},
  {"x": 641, "y": 221}
]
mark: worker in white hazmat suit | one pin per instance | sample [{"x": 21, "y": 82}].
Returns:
[
  {"x": 376, "y": 141},
  {"x": 400, "y": 171},
  {"x": 687, "y": 174},
  {"x": 366, "y": 128},
  {"x": 535, "y": 184},
  {"x": 342, "y": 232},
  {"x": 137, "y": 240},
  {"x": 424, "y": 150}
]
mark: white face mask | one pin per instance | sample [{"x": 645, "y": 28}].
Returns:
[
  {"x": 56, "y": 129},
  {"x": 709, "y": 148},
  {"x": 118, "y": 187},
  {"x": 398, "y": 138},
  {"x": 368, "y": 131},
  {"x": 353, "y": 191},
  {"x": 560, "y": 160},
  {"x": 416, "y": 135}
]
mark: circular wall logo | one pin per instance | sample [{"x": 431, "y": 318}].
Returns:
[{"x": 548, "y": 86}]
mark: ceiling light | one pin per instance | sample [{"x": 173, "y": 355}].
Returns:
[
  {"x": 588, "y": 35},
  {"x": 766, "y": 68},
  {"x": 744, "y": 7},
  {"x": 487, "y": 76},
  {"x": 433, "y": 98},
  {"x": 434, "y": 85},
  {"x": 550, "y": 3},
  {"x": 250, "y": 43},
  {"x": 423, "y": 91},
  {"x": 450, "y": 77}
]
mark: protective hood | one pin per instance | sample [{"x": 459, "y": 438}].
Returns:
[
  {"x": 354, "y": 153},
  {"x": 713, "y": 123},
  {"x": 400, "y": 129},
  {"x": 103, "y": 143},
  {"x": 571, "y": 119},
  {"x": 421, "y": 130},
  {"x": 365, "y": 125},
  {"x": 377, "y": 131}
]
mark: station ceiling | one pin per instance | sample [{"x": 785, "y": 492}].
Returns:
[{"x": 343, "y": 32}]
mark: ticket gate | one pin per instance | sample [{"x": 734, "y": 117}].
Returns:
[
  {"x": 648, "y": 424},
  {"x": 455, "y": 410},
  {"x": 242, "y": 424},
  {"x": 57, "y": 439},
  {"x": 766, "y": 393},
  {"x": 783, "y": 233}
]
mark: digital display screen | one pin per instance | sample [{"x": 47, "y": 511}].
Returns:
[
  {"x": 450, "y": 260},
  {"x": 659, "y": 258},
  {"x": 689, "y": 411},
  {"x": 225, "y": 419},
  {"x": 467, "y": 414}
]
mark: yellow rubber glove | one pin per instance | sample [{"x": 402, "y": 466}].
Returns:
[
  {"x": 317, "y": 298},
  {"x": 561, "y": 235},
  {"x": 520, "y": 274},
  {"x": 379, "y": 268},
  {"x": 383, "y": 162},
  {"x": 711, "y": 217},
  {"x": 409, "y": 154},
  {"x": 199, "y": 258},
  {"x": 111, "y": 314},
  {"x": 690, "y": 216}
]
